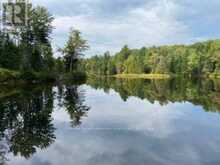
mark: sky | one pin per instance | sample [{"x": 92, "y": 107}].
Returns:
[{"x": 110, "y": 24}]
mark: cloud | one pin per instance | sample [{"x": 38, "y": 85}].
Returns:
[
  {"x": 149, "y": 133},
  {"x": 201, "y": 16},
  {"x": 148, "y": 25},
  {"x": 110, "y": 24}
]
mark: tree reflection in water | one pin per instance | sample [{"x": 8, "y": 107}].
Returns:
[
  {"x": 204, "y": 92},
  {"x": 26, "y": 117},
  {"x": 72, "y": 100},
  {"x": 25, "y": 120},
  {"x": 26, "y": 113}
]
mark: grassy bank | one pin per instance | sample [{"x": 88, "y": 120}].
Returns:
[
  {"x": 30, "y": 77},
  {"x": 142, "y": 76},
  {"x": 214, "y": 75},
  {"x": 10, "y": 76}
]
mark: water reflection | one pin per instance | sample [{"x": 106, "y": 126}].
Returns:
[
  {"x": 26, "y": 117},
  {"x": 156, "y": 126},
  {"x": 25, "y": 121},
  {"x": 203, "y": 92},
  {"x": 72, "y": 100}
]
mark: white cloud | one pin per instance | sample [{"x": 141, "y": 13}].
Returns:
[
  {"x": 153, "y": 24},
  {"x": 109, "y": 24}
]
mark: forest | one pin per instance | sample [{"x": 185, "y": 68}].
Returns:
[
  {"x": 26, "y": 51},
  {"x": 199, "y": 59}
]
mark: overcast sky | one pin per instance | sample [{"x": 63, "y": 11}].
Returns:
[{"x": 110, "y": 24}]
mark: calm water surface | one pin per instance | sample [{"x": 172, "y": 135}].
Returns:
[{"x": 111, "y": 122}]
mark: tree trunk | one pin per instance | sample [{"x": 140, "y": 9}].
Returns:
[{"x": 71, "y": 63}]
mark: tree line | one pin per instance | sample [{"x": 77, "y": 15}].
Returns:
[
  {"x": 195, "y": 60},
  {"x": 27, "y": 49}
]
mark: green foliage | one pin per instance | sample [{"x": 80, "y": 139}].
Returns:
[
  {"x": 120, "y": 58},
  {"x": 28, "y": 49},
  {"x": 32, "y": 77},
  {"x": 194, "y": 60},
  {"x": 75, "y": 76},
  {"x": 73, "y": 50},
  {"x": 10, "y": 56},
  {"x": 28, "y": 76},
  {"x": 7, "y": 75},
  {"x": 46, "y": 76},
  {"x": 214, "y": 75},
  {"x": 59, "y": 65}
]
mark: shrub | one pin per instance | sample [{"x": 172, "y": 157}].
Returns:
[
  {"x": 75, "y": 77},
  {"x": 7, "y": 75},
  {"x": 29, "y": 76},
  {"x": 47, "y": 76}
]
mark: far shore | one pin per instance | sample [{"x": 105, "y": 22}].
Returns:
[
  {"x": 155, "y": 76},
  {"x": 142, "y": 76}
]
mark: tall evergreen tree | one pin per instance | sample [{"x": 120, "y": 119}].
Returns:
[{"x": 74, "y": 49}]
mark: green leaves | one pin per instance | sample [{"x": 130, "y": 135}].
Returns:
[
  {"x": 74, "y": 49},
  {"x": 29, "y": 48},
  {"x": 197, "y": 59}
]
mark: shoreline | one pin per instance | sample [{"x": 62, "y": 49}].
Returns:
[
  {"x": 142, "y": 76},
  {"x": 156, "y": 76}
]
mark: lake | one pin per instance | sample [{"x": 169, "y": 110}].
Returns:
[{"x": 112, "y": 122}]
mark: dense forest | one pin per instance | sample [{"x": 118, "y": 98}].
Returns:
[
  {"x": 192, "y": 60},
  {"x": 28, "y": 48},
  {"x": 26, "y": 52}
]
